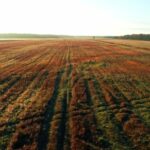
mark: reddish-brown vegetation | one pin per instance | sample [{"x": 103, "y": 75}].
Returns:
[{"x": 74, "y": 94}]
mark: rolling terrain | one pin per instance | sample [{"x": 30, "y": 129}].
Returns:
[{"x": 81, "y": 94}]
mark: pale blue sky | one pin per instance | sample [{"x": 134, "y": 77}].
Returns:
[{"x": 75, "y": 17}]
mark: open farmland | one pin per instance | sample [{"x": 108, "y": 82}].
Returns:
[{"x": 78, "y": 94}]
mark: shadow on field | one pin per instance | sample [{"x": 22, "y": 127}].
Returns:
[
  {"x": 48, "y": 114},
  {"x": 62, "y": 125},
  {"x": 65, "y": 102}
]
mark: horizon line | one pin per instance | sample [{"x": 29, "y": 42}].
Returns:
[{"x": 49, "y": 34}]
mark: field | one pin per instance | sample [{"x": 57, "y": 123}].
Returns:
[{"x": 74, "y": 94}]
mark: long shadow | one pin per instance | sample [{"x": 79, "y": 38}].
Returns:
[
  {"x": 62, "y": 126},
  {"x": 11, "y": 123},
  {"x": 48, "y": 114},
  {"x": 13, "y": 82},
  {"x": 6, "y": 79},
  {"x": 88, "y": 94}
]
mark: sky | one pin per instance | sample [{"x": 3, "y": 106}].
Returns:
[{"x": 75, "y": 17}]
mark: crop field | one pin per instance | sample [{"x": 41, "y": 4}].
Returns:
[{"x": 74, "y": 94}]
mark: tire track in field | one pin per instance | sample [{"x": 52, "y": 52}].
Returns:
[
  {"x": 123, "y": 112},
  {"x": 7, "y": 129},
  {"x": 143, "y": 115},
  {"x": 48, "y": 114},
  {"x": 100, "y": 139},
  {"x": 114, "y": 131},
  {"x": 15, "y": 84},
  {"x": 28, "y": 113},
  {"x": 111, "y": 133},
  {"x": 9, "y": 83},
  {"x": 59, "y": 104},
  {"x": 83, "y": 122},
  {"x": 63, "y": 129},
  {"x": 27, "y": 118},
  {"x": 63, "y": 132},
  {"x": 13, "y": 93},
  {"x": 24, "y": 99}
]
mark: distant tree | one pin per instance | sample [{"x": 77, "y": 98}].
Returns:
[
  {"x": 145, "y": 37},
  {"x": 137, "y": 37}
]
